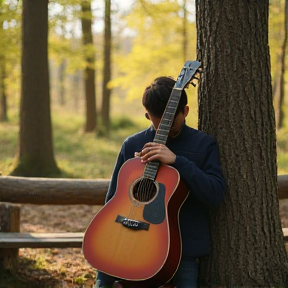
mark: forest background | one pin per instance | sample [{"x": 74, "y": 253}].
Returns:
[
  {"x": 140, "y": 52},
  {"x": 149, "y": 38}
]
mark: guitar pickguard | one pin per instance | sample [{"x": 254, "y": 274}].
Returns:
[{"x": 154, "y": 212}]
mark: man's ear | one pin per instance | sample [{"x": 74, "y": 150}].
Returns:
[
  {"x": 186, "y": 111},
  {"x": 147, "y": 116}
]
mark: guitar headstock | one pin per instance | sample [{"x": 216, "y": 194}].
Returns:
[{"x": 187, "y": 74}]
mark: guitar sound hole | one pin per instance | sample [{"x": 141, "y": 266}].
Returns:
[{"x": 144, "y": 190}]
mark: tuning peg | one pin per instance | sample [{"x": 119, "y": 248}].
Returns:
[
  {"x": 193, "y": 84},
  {"x": 194, "y": 77},
  {"x": 199, "y": 71}
]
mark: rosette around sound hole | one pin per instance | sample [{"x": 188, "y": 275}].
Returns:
[{"x": 144, "y": 190}]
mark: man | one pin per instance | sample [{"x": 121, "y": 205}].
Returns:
[{"x": 195, "y": 155}]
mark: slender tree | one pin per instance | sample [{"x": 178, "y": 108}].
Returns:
[
  {"x": 106, "y": 91},
  {"x": 3, "y": 101},
  {"x": 3, "y": 96},
  {"x": 62, "y": 67},
  {"x": 235, "y": 105},
  {"x": 89, "y": 73},
  {"x": 35, "y": 155},
  {"x": 185, "y": 36}
]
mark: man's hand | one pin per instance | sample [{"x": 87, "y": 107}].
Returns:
[{"x": 154, "y": 151}]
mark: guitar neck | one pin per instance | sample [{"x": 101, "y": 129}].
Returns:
[
  {"x": 163, "y": 130},
  {"x": 161, "y": 136},
  {"x": 168, "y": 117}
]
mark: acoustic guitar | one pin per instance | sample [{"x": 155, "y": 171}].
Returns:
[{"x": 136, "y": 235}]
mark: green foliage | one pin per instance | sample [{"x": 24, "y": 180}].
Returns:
[
  {"x": 157, "y": 47},
  {"x": 89, "y": 156},
  {"x": 282, "y": 150},
  {"x": 79, "y": 280},
  {"x": 10, "y": 43},
  {"x": 40, "y": 263}
]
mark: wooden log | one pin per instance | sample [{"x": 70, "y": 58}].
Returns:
[
  {"x": 9, "y": 222},
  {"x": 283, "y": 186},
  {"x": 53, "y": 191}
]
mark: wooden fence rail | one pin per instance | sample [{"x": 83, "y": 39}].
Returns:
[
  {"x": 42, "y": 191},
  {"x": 48, "y": 191}
]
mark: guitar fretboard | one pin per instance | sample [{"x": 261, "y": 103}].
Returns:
[{"x": 163, "y": 130}]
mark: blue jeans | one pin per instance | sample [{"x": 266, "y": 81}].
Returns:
[{"x": 185, "y": 277}]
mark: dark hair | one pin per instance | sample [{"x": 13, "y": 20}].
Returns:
[{"x": 156, "y": 96}]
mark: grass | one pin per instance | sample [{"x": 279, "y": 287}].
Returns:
[
  {"x": 282, "y": 150},
  {"x": 78, "y": 155},
  {"x": 91, "y": 156}
]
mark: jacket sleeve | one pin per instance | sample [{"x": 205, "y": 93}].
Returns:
[{"x": 206, "y": 184}]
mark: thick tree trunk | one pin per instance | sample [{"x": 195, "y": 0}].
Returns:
[
  {"x": 107, "y": 68},
  {"x": 89, "y": 73},
  {"x": 235, "y": 106},
  {"x": 35, "y": 150}
]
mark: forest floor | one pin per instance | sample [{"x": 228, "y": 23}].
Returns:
[
  {"x": 61, "y": 268},
  {"x": 53, "y": 268}
]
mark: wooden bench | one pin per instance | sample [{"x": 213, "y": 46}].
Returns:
[
  {"x": 40, "y": 240},
  {"x": 53, "y": 240}
]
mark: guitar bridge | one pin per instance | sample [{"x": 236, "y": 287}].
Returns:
[{"x": 132, "y": 224}]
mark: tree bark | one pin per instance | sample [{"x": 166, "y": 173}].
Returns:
[
  {"x": 62, "y": 68},
  {"x": 35, "y": 155},
  {"x": 3, "y": 97},
  {"x": 185, "y": 39},
  {"x": 235, "y": 106},
  {"x": 89, "y": 72},
  {"x": 107, "y": 68}
]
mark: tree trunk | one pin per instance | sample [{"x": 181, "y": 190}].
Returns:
[
  {"x": 107, "y": 69},
  {"x": 3, "y": 97},
  {"x": 62, "y": 68},
  {"x": 235, "y": 106},
  {"x": 185, "y": 39},
  {"x": 35, "y": 148},
  {"x": 89, "y": 73}
]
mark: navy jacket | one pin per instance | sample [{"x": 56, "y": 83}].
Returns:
[{"x": 197, "y": 161}]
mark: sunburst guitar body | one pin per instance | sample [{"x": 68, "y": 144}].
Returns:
[{"x": 137, "y": 237}]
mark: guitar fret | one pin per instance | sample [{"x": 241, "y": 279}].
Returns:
[
  {"x": 159, "y": 141},
  {"x": 151, "y": 170},
  {"x": 161, "y": 134}
]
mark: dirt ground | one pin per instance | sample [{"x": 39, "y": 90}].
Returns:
[
  {"x": 64, "y": 268},
  {"x": 60, "y": 267}
]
